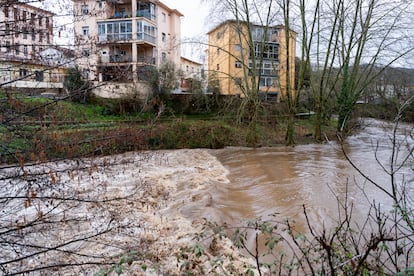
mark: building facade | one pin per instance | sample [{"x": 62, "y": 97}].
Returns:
[
  {"x": 25, "y": 31},
  {"x": 117, "y": 41},
  {"x": 190, "y": 72},
  {"x": 231, "y": 58}
]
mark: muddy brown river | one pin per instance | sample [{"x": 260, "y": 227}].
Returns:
[{"x": 281, "y": 180}]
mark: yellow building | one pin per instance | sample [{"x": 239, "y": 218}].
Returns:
[{"x": 231, "y": 58}]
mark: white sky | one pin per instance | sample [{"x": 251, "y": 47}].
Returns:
[
  {"x": 193, "y": 25},
  {"x": 194, "y": 21}
]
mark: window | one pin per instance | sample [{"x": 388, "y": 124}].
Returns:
[
  {"x": 47, "y": 22},
  {"x": 25, "y": 32},
  {"x": 39, "y": 75},
  {"x": 164, "y": 17},
  {"x": 147, "y": 10},
  {"x": 267, "y": 51},
  {"x": 268, "y": 68},
  {"x": 16, "y": 31},
  {"x": 8, "y": 48},
  {"x": 146, "y": 31},
  {"x": 237, "y": 47},
  {"x": 86, "y": 52},
  {"x": 238, "y": 81},
  {"x": 33, "y": 34},
  {"x": 268, "y": 82},
  {"x": 218, "y": 67},
  {"x": 238, "y": 64},
  {"x": 163, "y": 57},
  {"x": 114, "y": 31},
  {"x": 48, "y": 38},
  {"x": 85, "y": 31},
  {"x": 17, "y": 48},
  {"x": 100, "y": 5},
  {"x": 187, "y": 68},
  {"x": 164, "y": 37},
  {"x": 23, "y": 72},
  {"x": 7, "y": 28},
  {"x": 85, "y": 10},
  {"x": 40, "y": 20},
  {"x": 24, "y": 16},
  {"x": 6, "y": 11},
  {"x": 25, "y": 51},
  {"x": 32, "y": 18},
  {"x": 40, "y": 36},
  {"x": 16, "y": 14}
]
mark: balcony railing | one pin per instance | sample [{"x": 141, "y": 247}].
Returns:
[
  {"x": 146, "y": 60},
  {"x": 115, "y": 37},
  {"x": 146, "y": 38},
  {"x": 122, "y": 14},
  {"x": 146, "y": 13},
  {"x": 120, "y": 58}
]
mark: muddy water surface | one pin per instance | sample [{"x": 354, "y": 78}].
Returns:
[{"x": 282, "y": 180}]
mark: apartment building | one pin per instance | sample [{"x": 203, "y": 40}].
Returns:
[
  {"x": 117, "y": 41},
  {"x": 190, "y": 71},
  {"x": 231, "y": 55},
  {"x": 25, "y": 31}
]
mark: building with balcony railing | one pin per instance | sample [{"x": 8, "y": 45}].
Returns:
[
  {"x": 116, "y": 39},
  {"x": 25, "y": 32}
]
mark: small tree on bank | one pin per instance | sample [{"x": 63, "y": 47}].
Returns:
[{"x": 76, "y": 86}]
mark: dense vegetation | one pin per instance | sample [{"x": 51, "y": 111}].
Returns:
[{"x": 39, "y": 129}]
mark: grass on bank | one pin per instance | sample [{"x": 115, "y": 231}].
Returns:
[{"x": 64, "y": 129}]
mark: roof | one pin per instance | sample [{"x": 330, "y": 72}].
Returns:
[
  {"x": 30, "y": 7},
  {"x": 168, "y": 8},
  {"x": 231, "y": 21},
  {"x": 190, "y": 61},
  {"x": 66, "y": 51}
]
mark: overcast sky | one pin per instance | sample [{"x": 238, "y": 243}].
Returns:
[
  {"x": 194, "y": 21},
  {"x": 193, "y": 25}
]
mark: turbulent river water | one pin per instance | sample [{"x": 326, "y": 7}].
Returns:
[
  {"x": 156, "y": 201},
  {"x": 281, "y": 180}
]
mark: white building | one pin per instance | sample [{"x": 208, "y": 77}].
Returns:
[
  {"x": 190, "y": 71},
  {"x": 25, "y": 31},
  {"x": 116, "y": 41}
]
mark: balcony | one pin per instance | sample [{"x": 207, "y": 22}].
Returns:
[
  {"x": 115, "y": 37},
  {"x": 146, "y": 60},
  {"x": 111, "y": 59},
  {"x": 120, "y": 58},
  {"x": 146, "y": 14},
  {"x": 121, "y": 14},
  {"x": 143, "y": 37}
]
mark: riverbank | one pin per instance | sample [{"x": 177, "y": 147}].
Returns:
[{"x": 61, "y": 130}]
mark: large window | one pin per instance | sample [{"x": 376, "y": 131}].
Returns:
[
  {"x": 114, "y": 31},
  {"x": 268, "y": 82},
  {"x": 267, "y": 68},
  {"x": 267, "y": 50},
  {"x": 146, "y": 31},
  {"x": 146, "y": 9},
  {"x": 272, "y": 34}
]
